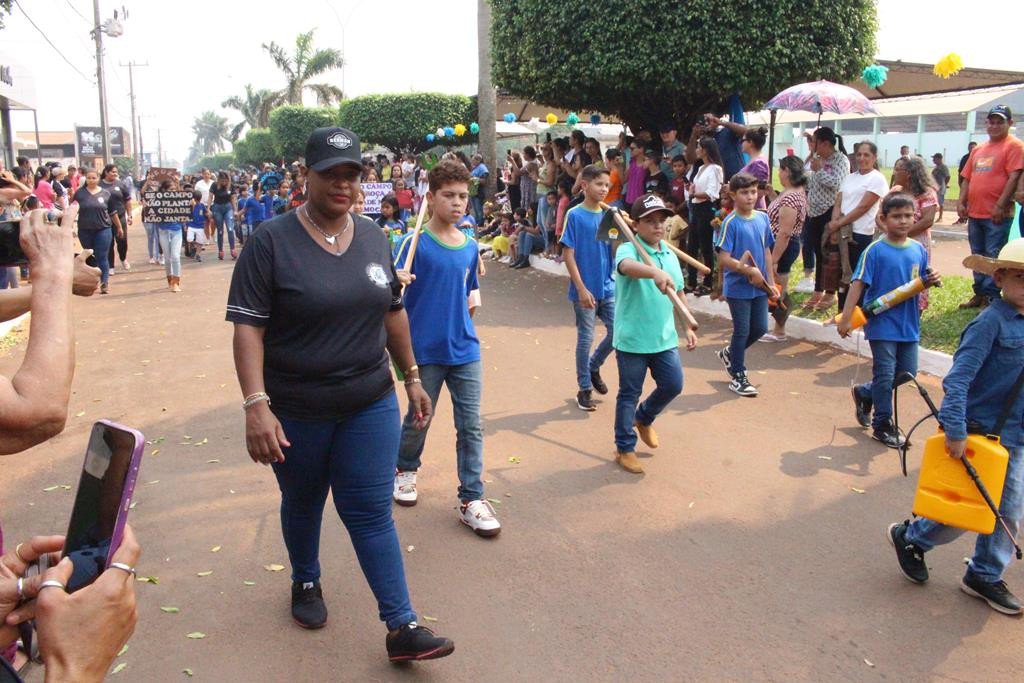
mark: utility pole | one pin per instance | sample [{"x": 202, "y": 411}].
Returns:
[
  {"x": 97, "y": 33},
  {"x": 135, "y": 127},
  {"x": 142, "y": 153},
  {"x": 159, "y": 148}
]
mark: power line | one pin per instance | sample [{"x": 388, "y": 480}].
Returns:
[
  {"x": 55, "y": 49},
  {"x": 77, "y": 12}
]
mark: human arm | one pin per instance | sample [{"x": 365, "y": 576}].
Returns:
[
  {"x": 630, "y": 267},
  {"x": 867, "y": 201},
  {"x": 927, "y": 220},
  {"x": 399, "y": 343},
  {"x": 34, "y": 402},
  {"x": 787, "y": 228},
  {"x": 749, "y": 271},
  {"x": 115, "y": 220},
  {"x": 1004, "y": 205},
  {"x": 852, "y": 297},
  {"x": 738, "y": 129},
  {"x": 85, "y": 279},
  {"x": 14, "y": 189},
  {"x": 976, "y": 343},
  {"x": 1019, "y": 195},
  {"x": 128, "y": 204},
  {"x": 961, "y": 203},
  {"x": 264, "y": 435},
  {"x": 586, "y": 298}
]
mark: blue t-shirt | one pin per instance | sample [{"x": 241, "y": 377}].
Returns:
[
  {"x": 267, "y": 200},
  {"x": 883, "y": 267},
  {"x": 467, "y": 225},
  {"x": 442, "y": 331},
  {"x": 198, "y": 216},
  {"x": 737, "y": 235},
  {"x": 730, "y": 147},
  {"x": 253, "y": 209},
  {"x": 270, "y": 181},
  {"x": 170, "y": 226},
  {"x": 593, "y": 257}
]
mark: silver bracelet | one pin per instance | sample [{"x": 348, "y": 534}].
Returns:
[
  {"x": 413, "y": 380},
  {"x": 253, "y": 399}
]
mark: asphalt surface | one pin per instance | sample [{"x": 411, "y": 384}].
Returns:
[{"x": 753, "y": 548}]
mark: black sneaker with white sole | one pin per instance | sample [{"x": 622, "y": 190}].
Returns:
[
  {"x": 742, "y": 386},
  {"x": 412, "y": 643},
  {"x": 308, "y": 608},
  {"x": 584, "y": 401},
  {"x": 862, "y": 408},
  {"x": 599, "y": 385},
  {"x": 910, "y": 557},
  {"x": 997, "y": 595},
  {"x": 887, "y": 434},
  {"x": 723, "y": 355}
]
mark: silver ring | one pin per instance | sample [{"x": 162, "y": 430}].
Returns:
[
  {"x": 123, "y": 567},
  {"x": 52, "y": 583},
  {"x": 21, "y": 588}
]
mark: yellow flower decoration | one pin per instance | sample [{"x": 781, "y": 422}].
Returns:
[
  {"x": 460, "y": 129},
  {"x": 950, "y": 65},
  {"x": 551, "y": 119}
]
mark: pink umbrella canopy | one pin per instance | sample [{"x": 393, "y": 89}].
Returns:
[{"x": 822, "y": 96}]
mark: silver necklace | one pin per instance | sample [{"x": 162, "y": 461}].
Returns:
[{"x": 328, "y": 237}]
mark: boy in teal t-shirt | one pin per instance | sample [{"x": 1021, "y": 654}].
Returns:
[{"x": 645, "y": 334}]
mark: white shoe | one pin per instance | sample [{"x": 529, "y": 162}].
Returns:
[
  {"x": 127, "y": 266},
  {"x": 805, "y": 286},
  {"x": 161, "y": 260},
  {"x": 478, "y": 515},
  {"x": 152, "y": 262},
  {"x": 405, "y": 488}
]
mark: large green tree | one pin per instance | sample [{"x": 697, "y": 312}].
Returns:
[
  {"x": 210, "y": 130},
  {"x": 290, "y": 127},
  {"x": 255, "y": 148},
  {"x": 254, "y": 107},
  {"x": 401, "y": 121},
  {"x": 303, "y": 65},
  {"x": 647, "y": 61}
]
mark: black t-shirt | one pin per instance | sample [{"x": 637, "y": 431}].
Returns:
[
  {"x": 324, "y": 345},
  {"x": 221, "y": 195},
  {"x": 657, "y": 183},
  {"x": 963, "y": 162},
  {"x": 93, "y": 209},
  {"x": 117, "y": 196}
]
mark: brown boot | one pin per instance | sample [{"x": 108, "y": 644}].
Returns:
[
  {"x": 629, "y": 462},
  {"x": 647, "y": 434},
  {"x": 170, "y": 282},
  {"x": 176, "y": 283}
]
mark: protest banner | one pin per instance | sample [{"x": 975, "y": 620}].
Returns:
[
  {"x": 172, "y": 206},
  {"x": 374, "y": 192}
]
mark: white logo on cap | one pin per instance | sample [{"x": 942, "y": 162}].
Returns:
[
  {"x": 654, "y": 201},
  {"x": 340, "y": 140}
]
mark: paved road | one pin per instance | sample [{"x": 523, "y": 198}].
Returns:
[{"x": 743, "y": 554}]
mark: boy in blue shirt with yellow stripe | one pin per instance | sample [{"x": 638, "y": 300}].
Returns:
[{"x": 645, "y": 334}]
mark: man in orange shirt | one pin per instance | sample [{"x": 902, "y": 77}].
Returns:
[{"x": 986, "y": 196}]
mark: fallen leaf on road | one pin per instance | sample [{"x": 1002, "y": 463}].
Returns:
[
  {"x": 118, "y": 669},
  {"x": 231, "y": 490},
  {"x": 274, "y": 567},
  {"x": 223, "y": 385},
  {"x": 204, "y": 441},
  {"x": 80, "y": 413},
  {"x": 426, "y": 618},
  {"x": 138, "y": 374},
  {"x": 148, "y": 579},
  {"x": 692, "y": 503},
  {"x": 155, "y": 481},
  {"x": 410, "y": 549},
  {"x": 200, "y": 376},
  {"x": 488, "y": 481},
  {"x": 132, "y": 506},
  {"x": 122, "y": 650},
  {"x": 869, "y": 662},
  {"x": 52, "y": 488},
  {"x": 857, "y": 490},
  {"x": 494, "y": 501},
  {"x": 169, "y": 610},
  {"x": 206, "y": 573},
  {"x": 196, "y": 635},
  {"x": 824, "y": 457},
  {"x": 154, "y": 451},
  {"x": 794, "y": 393},
  {"x": 248, "y": 583},
  {"x": 187, "y": 672},
  {"x": 215, "y": 549},
  {"x": 145, "y": 362},
  {"x": 210, "y": 462},
  {"x": 514, "y": 460}
]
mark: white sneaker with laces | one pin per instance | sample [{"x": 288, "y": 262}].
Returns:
[
  {"x": 405, "y": 489},
  {"x": 479, "y": 516}
]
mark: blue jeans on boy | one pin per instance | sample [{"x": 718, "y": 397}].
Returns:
[
  {"x": 889, "y": 358},
  {"x": 465, "y": 384},
  {"x": 987, "y": 238},
  {"x": 222, "y": 219},
  {"x": 585, "y": 322},
  {"x": 152, "y": 239},
  {"x": 354, "y": 458},
  {"x": 749, "y": 323},
  {"x": 992, "y": 552},
  {"x": 667, "y": 371},
  {"x": 99, "y": 241}
]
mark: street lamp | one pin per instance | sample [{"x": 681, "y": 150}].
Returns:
[{"x": 344, "y": 26}]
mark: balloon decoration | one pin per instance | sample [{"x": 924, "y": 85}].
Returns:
[
  {"x": 439, "y": 132},
  {"x": 474, "y": 128},
  {"x": 595, "y": 119},
  {"x": 950, "y": 65},
  {"x": 460, "y": 130},
  {"x": 572, "y": 119},
  {"x": 510, "y": 118},
  {"x": 874, "y": 76},
  {"x": 551, "y": 119},
  {"x": 430, "y": 137},
  {"x": 449, "y": 131}
]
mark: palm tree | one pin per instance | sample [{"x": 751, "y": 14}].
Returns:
[
  {"x": 210, "y": 130},
  {"x": 255, "y": 109},
  {"x": 304, "y": 64},
  {"x": 486, "y": 94}
]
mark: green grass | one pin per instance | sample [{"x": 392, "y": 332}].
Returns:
[
  {"x": 941, "y": 323},
  {"x": 952, "y": 191}
]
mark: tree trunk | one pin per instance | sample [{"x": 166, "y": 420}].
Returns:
[{"x": 487, "y": 99}]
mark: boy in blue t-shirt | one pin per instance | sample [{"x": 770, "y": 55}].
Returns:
[
  {"x": 591, "y": 288},
  {"x": 250, "y": 213},
  {"x": 438, "y": 284},
  {"x": 886, "y": 264},
  {"x": 197, "y": 227},
  {"x": 745, "y": 278}
]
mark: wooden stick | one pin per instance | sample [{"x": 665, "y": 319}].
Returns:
[
  {"x": 415, "y": 236},
  {"x": 689, "y": 260},
  {"x": 748, "y": 260},
  {"x": 670, "y": 292}
]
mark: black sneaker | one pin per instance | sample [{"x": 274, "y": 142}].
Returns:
[
  {"x": 862, "y": 408},
  {"x": 599, "y": 385},
  {"x": 584, "y": 401},
  {"x": 911, "y": 558},
  {"x": 888, "y": 435},
  {"x": 742, "y": 386},
  {"x": 997, "y": 595},
  {"x": 412, "y": 642},
  {"x": 726, "y": 359},
  {"x": 308, "y": 608}
]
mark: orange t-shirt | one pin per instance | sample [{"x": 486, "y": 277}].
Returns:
[
  {"x": 615, "y": 189},
  {"x": 988, "y": 169}
]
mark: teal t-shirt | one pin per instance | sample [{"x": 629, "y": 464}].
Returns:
[{"x": 644, "y": 320}]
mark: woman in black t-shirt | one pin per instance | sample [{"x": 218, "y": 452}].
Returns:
[
  {"x": 224, "y": 205},
  {"x": 95, "y": 223},
  {"x": 120, "y": 211},
  {"x": 316, "y": 307}
]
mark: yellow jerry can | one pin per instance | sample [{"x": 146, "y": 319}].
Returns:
[{"x": 947, "y": 494}]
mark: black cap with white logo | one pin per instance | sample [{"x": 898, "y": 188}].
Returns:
[
  {"x": 330, "y": 147},
  {"x": 648, "y": 204}
]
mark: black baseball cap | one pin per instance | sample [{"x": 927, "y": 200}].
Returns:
[
  {"x": 646, "y": 205},
  {"x": 330, "y": 147},
  {"x": 666, "y": 126},
  {"x": 1000, "y": 110}
]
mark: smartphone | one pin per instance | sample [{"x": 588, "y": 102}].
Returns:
[
  {"x": 11, "y": 253},
  {"x": 104, "y": 496}
]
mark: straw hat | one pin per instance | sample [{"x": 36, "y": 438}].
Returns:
[{"x": 1010, "y": 256}]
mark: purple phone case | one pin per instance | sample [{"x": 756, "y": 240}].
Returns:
[{"x": 129, "y": 483}]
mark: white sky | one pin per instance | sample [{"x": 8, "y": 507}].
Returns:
[{"x": 201, "y": 52}]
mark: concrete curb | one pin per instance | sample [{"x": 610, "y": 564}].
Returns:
[{"x": 934, "y": 363}]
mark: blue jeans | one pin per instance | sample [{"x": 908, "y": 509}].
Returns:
[
  {"x": 807, "y": 248},
  {"x": 477, "y": 206},
  {"x": 542, "y": 212},
  {"x": 667, "y": 371},
  {"x": 987, "y": 238},
  {"x": 465, "y": 387},
  {"x": 152, "y": 239},
  {"x": 585, "y": 322},
  {"x": 10, "y": 277},
  {"x": 749, "y": 323},
  {"x": 889, "y": 358},
  {"x": 222, "y": 219},
  {"x": 99, "y": 241},
  {"x": 354, "y": 458},
  {"x": 992, "y": 552},
  {"x": 528, "y": 243},
  {"x": 170, "y": 242}
]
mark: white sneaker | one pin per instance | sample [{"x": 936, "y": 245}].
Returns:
[
  {"x": 127, "y": 266},
  {"x": 405, "y": 488},
  {"x": 805, "y": 286},
  {"x": 478, "y": 515},
  {"x": 161, "y": 260}
]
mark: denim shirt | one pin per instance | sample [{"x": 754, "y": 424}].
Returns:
[{"x": 985, "y": 366}]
